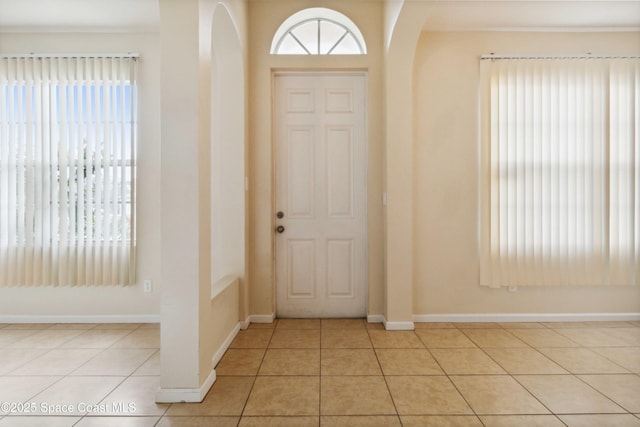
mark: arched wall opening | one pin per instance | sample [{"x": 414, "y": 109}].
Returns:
[{"x": 227, "y": 150}]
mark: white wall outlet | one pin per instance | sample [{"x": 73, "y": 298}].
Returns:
[
  {"x": 148, "y": 286},
  {"x": 513, "y": 288}
]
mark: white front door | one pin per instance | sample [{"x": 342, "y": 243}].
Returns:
[{"x": 320, "y": 172}]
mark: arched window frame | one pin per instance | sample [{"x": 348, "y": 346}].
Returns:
[{"x": 318, "y": 14}]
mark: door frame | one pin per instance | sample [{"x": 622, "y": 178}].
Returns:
[{"x": 363, "y": 73}]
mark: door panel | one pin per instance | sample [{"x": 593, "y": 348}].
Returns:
[{"x": 320, "y": 171}]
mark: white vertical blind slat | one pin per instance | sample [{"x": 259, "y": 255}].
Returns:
[
  {"x": 67, "y": 163},
  {"x": 562, "y": 153}
]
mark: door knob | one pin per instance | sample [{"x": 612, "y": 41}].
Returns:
[
  {"x": 280, "y": 214},
  {"x": 280, "y": 229}
]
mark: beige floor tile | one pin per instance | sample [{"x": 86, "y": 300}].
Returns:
[
  {"x": 522, "y": 325},
  {"x": 38, "y": 421},
  {"x": 121, "y": 362},
  {"x": 566, "y": 394},
  {"x": 48, "y": 338},
  {"x": 140, "y": 338},
  {"x": 594, "y": 324},
  {"x": 116, "y": 326},
  {"x": 279, "y": 422},
  {"x": 151, "y": 325},
  {"x": 342, "y": 324},
  {"x": 524, "y": 361},
  {"x": 477, "y": 325},
  {"x": 349, "y": 362},
  {"x": 198, "y": 422},
  {"x": 426, "y": 395},
  {"x": 402, "y": 361},
  {"x": 593, "y": 337},
  {"x": 627, "y": 357},
  {"x": 291, "y": 362},
  {"x": 282, "y": 396},
  {"x": 12, "y": 358},
  {"x": 240, "y": 361},
  {"x": 263, "y": 325},
  {"x": 543, "y": 338},
  {"x": 466, "y": 361},
  {"x": 135, "y": 396},
  {"x": 376, "y": 326},
  {"x": 360, "y": 421},
  {"x": 497, "y": 394},
  {"x": 96, "y": 339},
  {"x": 395, "y": 339},
  {"x": 444, "y": 338},
  {"x": 355, "y": 395},
  {"x": 298, "y": 324},
  {"x": 227, "y": 396},
  {"x": 151, "y": 366},
  {"x": 630, "y": 336},
  {"x": 492, "y": 338},
  {"x": 11, "y": 336},
  {"x": 28, "y": 326},
  {"x": 521, "y": 421},
  {"x": 22, "y": 389},
  {"x": 295, "y": 338},
  {"x": 622, "y": 389},
  {"x": 582, "y": 361},
  {"x": 345, "y": 338},
  {"x": 99, "y": 421},
  {"x": 440, "y": 421},
  {"x": 72, "y": 326},
  {"x": 626, "y": 420},
  {"x": 81, "y": 393},
  {"x": 57, "y": 362},
  {"x": 434, "y": 325}
]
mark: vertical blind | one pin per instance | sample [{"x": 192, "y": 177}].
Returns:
[
  {"x": 67, "y": 170},
  {"x": 560, "y": 198}
]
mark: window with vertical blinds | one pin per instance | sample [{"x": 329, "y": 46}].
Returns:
[
  {"x": 560, "y": 199},
  {"x": 67, "y": 170}
]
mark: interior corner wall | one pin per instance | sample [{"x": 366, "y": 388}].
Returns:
[
  {"x": 446, "y": 259},
  {"x": 130, "y": 303}
]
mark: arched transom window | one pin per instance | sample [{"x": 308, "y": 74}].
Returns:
[{"x": 318, "y": 31}]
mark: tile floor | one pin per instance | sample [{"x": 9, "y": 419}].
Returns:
[{"x": 333, "y": 373}]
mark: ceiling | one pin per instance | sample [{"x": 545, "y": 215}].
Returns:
[
  {"x": 79, "y": 15},
  {"x": 440, "y": 15}
]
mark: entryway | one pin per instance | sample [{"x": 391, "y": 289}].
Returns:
[{"x": 320, "y": 202}]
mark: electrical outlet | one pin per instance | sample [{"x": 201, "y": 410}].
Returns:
[{"x": 148, "y": 286}]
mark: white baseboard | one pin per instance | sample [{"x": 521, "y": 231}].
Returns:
[
  {"x": 88, "y": 318},
  {"x": 176, "y": 395},
  {"x": 527, "y": 317},
  {"x": 390, "y": 326},
  {"x": 398, "y": 326},
  {"x": 225, "y": 345},
  {"x": 375, "y": 318},
  {"x": 190, "y": 395},
  {"x": 244, "y": 324},
  {"x": 262, "y": 318}
]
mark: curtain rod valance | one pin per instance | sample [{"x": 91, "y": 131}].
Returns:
[
  {"x": 579, "y": 56},
  {"x": 80, "y": 55}
]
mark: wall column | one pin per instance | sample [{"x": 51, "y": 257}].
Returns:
[
  {"x": 402, "y": 35},
  {"x": 182, "y": 185}
]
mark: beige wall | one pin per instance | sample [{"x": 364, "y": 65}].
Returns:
[
  {"x": 106, "y": 300},
  {"x": 446, "y": 263},
  {"x": 264, "y": 19}
]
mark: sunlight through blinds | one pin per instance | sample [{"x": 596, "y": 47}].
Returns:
[
  {"x": 560, "y": 159},
  {"x": 67, "y": 170}
]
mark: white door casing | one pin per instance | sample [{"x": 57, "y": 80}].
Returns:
[{"x": 320, "y": 184}]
